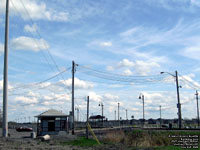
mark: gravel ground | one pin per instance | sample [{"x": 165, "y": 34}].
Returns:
[{"x": 22, "y": 141}]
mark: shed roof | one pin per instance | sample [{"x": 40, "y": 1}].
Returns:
[
  {"x": 97, "y": 117},
  {"x": 52, "y": 113}
]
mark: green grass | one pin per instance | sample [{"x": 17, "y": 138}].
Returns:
[{"x": 82, "y": 142}]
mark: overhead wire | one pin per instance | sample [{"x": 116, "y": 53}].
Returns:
[
  {"x": 42, "y": 41},
  {"x": 38, "y": 83},
  {"x": 121, "y": 78}
]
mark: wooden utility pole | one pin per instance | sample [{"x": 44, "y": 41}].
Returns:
[
  {"x": 160, "y": 117},
  {"x": 87, "y": 133},
  {"x": 118, "y": 114},
  {"x": 197, "y": 107},
  {"x": 178, "y": 98},
  {"x": 5, "y": 75},
  {"x": 179, "y": 104},
  {"x": 73, "y": 72}
]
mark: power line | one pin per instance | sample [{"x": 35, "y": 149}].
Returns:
[
  {"x": 120, "y": 78},
  {"x": 189, "y": 83},
  {"x": 38, "y": 83},
  {"x": 42, "y": 41}
]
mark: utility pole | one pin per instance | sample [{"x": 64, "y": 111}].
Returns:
[
  {"x": 197, "y": 107},
  {"x": 126, "y": 115},
  {"x": 160, "y": 117},
  {"x": 5, "y": 75},
  {"x": 178, "y": 105},
  {"x": 115, "y": 114},
  {"x": 118, "y": 114},
  {"x": 178, "y": 98},
  {"x": 101, "y": 104},
  {"x": 77, "y": 114},
  {"x": 73, "y": 72},
  {"x": 87, "y": 133}
]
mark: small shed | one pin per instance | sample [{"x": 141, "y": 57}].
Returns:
[
  {"x": 96, "y": 121},
  {"x": 51, "y": 122}
]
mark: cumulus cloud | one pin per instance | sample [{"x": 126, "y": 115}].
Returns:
[
  {"x": 32, "y": 29},
  {"x": 140, "y": 67},
  {"x": 27, "y": 43},
  {"x": 79, "y": 84},
  {"x": 26, "y": 100},
  {"x": 126, "y": 63},
  {"x": 36, "y": 9},
  {"x": 94, "y": 97}
]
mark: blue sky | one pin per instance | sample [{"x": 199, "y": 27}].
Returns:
[{"x": 128, "y": 38}]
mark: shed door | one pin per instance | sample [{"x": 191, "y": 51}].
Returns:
[{"x": 51, "y": 126}]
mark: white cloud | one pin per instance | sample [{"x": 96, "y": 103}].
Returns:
[
  {"x": 32, "y": 29},
  {"x": 144, "y": 68},
  {"x": 26, "y": 100},
  {"x": 192, "y": 51},
  {"x": 94, "y": 97},
  {"x": 60, "y": 16},
  {"x": 79, "y": 84},
  {"x": 106, "y": 44},
  {"x": 126, "y": 63},
  {"x": 137, "y": 67},
  {"x": 36, "y": 9},
  {"x": 27, "y": 43},
  {"x": 127, "y": 72}
]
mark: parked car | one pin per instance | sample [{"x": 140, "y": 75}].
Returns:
[{"x": 24, "y": 129}]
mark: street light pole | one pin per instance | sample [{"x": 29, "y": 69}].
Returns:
[
  {"x": 197, "y": 107},
  {"x": 178, "y": 98},
  {"x": 101, "y": 104},
  {"x": 178, "y": 105},
  {"x": 141, "y": 96}
]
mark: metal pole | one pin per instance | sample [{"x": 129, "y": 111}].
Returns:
[
  {"x": 5, "y": 79},
  {"x": 126, "y": 115},
  {"x": 115, "y": 114},
  {"x": 78, "y": 114},
  {"x": 73, "y": 71},
  {"x": 102, "y": 113},
  {"x": 197, "y": 107},
  {"x": 143, "y": 108},
  {"x": 87, "y": 133},
  {"x": 160, "y": 117},
  {"x": 178, "y": 98},
  {"x": 118, "y": 114}
]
